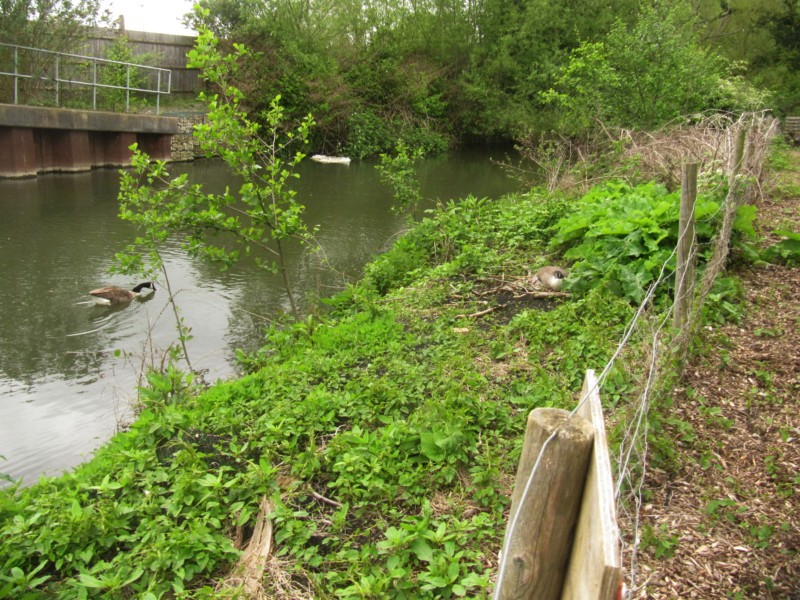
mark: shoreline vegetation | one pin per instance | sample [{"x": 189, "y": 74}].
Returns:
[
  {"x": 384, "y": 434},
  {"x": 372, "y": 445},
  {"x": 436, "y": 75}
]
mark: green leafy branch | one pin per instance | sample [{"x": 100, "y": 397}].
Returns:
[
  {"x": 265, "y": 213},
  {"x": 399, "y": 172}
]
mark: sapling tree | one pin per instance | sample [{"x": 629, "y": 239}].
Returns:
[
  {"x": 264, "y": 215},
  {"x": 399, "y": 173},
  {"x": 143, "y": 203},
  {"x": 118, "y": 75}
]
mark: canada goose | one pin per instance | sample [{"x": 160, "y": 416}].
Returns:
[
  {"x": 552, "y": 277},
  {"x": 111, "y": 295}
]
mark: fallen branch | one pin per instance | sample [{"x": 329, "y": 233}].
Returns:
[
  {"x": 543, "y": 295},
  {"x": 322, "y": 498},
  {"x": 525, "y": 294},
  {"x": 480, "y": 313}
]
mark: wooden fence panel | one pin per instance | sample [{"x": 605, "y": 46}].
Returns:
[{"x": 595, "y": 566}]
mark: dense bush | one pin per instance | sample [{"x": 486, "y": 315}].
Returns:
[
  {"x": 380, "y": 72},
  {"x": 646, "y": 76}
]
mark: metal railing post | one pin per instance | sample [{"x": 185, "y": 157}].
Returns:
[
  {"x": 127, "y": 88},
  {"x": 16, "y": 74},
  {"x": 94, "y": 84},
  {"x": 58, "y": 64}
]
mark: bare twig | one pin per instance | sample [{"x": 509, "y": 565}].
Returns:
[
  {"x": 481, "y": 313},
  {"x": 322, "y": 498}
]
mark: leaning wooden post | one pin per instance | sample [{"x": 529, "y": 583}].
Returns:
[
  {"x": 544, "y": 507},
  {"x": 684, "y": 270}
]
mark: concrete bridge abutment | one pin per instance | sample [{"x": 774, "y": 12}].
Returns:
[{"x": 36, "y": 140}]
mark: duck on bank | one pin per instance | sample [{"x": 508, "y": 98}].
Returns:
[{"x": 551, "y": 277}]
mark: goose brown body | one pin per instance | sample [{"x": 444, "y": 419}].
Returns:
[
  {"x": 112, "y": 294},
  {"x": 552, "y": 277}
]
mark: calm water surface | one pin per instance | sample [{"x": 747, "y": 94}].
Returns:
[{"x": 68, "y": 370}]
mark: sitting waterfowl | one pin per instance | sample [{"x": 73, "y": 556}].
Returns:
[
  {"x": 113, "y": 295},
  {"x": 552, "y": 277}
]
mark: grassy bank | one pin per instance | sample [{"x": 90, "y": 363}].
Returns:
[
  {"x": 385, "y": 433},
  {"x": 405, "y": 416}
]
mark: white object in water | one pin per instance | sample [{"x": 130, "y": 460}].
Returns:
[{"x": 333, "y": 160}]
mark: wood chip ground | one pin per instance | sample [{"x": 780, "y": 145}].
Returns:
[{"x": 726, "y": 518}]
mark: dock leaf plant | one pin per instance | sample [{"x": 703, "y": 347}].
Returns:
[{"x": 623, "y": 236}]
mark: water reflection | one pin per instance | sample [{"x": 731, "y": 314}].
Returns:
[{"x": 68, "y": 369}]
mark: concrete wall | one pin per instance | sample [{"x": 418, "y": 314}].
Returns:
[
  {"x": 39, "y": 117},
  {"x": 37, "y": 140}
]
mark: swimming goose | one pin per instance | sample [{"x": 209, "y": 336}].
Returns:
[
  {"x": 552, "y": 277},
  {"x": 111, "y": 295}
]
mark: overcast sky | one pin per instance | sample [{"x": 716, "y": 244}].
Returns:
[{"x": 157, "y": 16}]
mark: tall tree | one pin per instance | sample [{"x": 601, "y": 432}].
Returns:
[
  {"x": 50, "y": 24},
  {"x": 779, "y": 67},
  {"x": 522, "y": 47},
  {"x": 58, "y": 25},
  {"x": 763, "y": 37}
]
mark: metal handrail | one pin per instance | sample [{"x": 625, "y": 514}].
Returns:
[{"x": 94, "y": 84}]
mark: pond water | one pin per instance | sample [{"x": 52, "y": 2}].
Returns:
[{"x": 69, "y": 370}]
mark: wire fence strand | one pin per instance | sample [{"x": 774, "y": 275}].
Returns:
[{"x": 713, "y": 148}]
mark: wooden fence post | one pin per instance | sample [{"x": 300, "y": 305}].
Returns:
[
  {"x": 595, "y": 567},
  {"x": 684, "y": 270},
  {"x": 737, "y": 156},
  {"x": 544, "y": 510}
]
